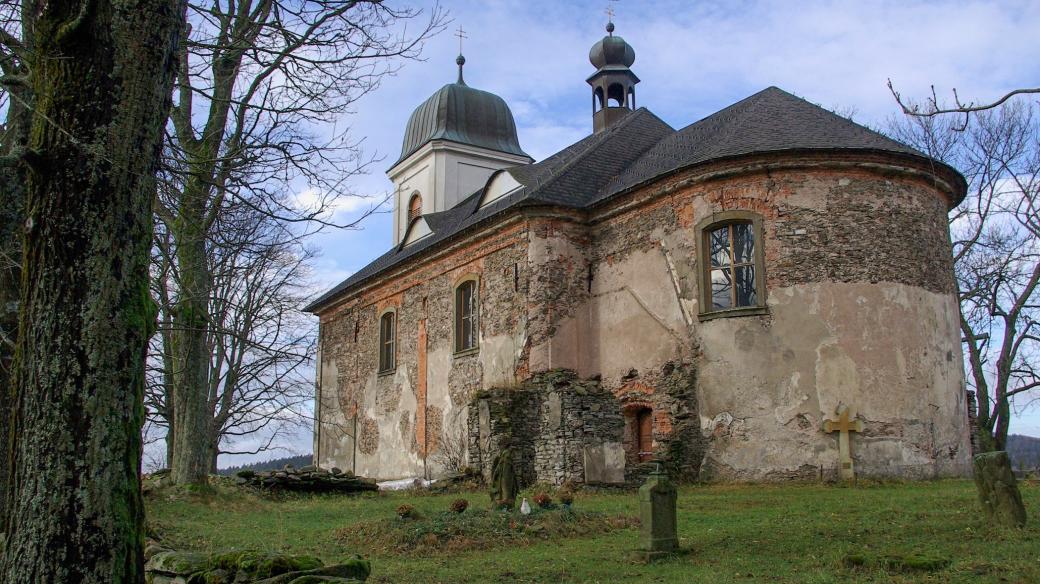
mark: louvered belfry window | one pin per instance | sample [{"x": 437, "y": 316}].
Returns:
[
  {"x": 466, "y": 326},
  {"x": 414, "y": 207}
]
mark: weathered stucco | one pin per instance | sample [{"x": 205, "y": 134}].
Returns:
[{"x": 860, "y": 311}]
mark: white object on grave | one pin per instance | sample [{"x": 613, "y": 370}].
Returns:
[{"x": 525, "y": 507}]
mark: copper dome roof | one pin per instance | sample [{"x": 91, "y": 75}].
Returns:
[{"x": 462, "y": 114}]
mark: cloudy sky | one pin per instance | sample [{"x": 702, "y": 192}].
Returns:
[{"x": 694, "y": 58}]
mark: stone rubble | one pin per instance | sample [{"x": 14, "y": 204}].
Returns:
[{"x": 310, "y": 479}]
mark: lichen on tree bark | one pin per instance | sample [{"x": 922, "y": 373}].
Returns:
[{"x": 101, "y": 75}]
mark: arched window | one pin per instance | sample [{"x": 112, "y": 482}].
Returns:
[
  {"x": 466, "y": 310},
  {"x": 414, "y": 207},
  {"x": 387, "y": 338},
  {"x": 615, "y": 95},
  {"x": 732, "y": 278}
]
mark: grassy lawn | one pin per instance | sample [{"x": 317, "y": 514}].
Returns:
[{"x": 732, "y": 533}]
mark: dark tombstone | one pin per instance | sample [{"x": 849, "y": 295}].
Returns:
[
  {"x": 657, "y": 516},
  {"x": 998, "y": 489}
]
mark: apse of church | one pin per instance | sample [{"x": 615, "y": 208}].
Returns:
[{"x": 708, "y": 297}]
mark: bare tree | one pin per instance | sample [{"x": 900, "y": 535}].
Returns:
[
  {"x": 260, "y": 85},
  {"x": 996, "y": 245},
  {"x": 933, "y": 106},
  {"x": 101, "y": 73},
  {"x": 259, "y": 341}
]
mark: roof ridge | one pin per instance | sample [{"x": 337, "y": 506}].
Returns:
[{"x": 568, "y": 165}]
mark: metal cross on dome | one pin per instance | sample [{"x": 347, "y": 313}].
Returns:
[{"x": 462, "y": 35}]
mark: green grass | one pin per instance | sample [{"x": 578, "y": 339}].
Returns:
[{"x": 731, "y": 533}]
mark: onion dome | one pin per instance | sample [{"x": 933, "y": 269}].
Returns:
[{"x": 612, "y": 51}]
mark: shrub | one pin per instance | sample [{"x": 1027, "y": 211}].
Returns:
[
  {"x": 407, "y": 511},
  {"x": 543, "y": 500},
  {"x": 459, "y": 505}
]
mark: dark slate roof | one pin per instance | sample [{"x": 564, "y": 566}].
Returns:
[
  {"x": 460, "y": 113},
  {"x": 639, "y": 149},
  {"x": 771, "y": 120}
]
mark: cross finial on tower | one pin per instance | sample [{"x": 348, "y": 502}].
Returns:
[
  {"x": 610, "y": 18},
  {"x": 462, "y": 35},
  {"x": 460, "y": 60}
]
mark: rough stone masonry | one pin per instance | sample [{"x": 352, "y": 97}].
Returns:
[{"x": 708, "y": 296}]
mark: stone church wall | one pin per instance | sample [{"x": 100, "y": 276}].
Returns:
[
  {"x": 861, "y": 313},
  {"x": 400, "y": 424}
]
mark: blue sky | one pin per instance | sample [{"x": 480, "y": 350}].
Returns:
[{"x": 693, "y": 58}]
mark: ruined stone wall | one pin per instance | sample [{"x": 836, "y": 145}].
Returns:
[
  {"x": 408, "y": 418},
  {"x": 559, "y": 427}
]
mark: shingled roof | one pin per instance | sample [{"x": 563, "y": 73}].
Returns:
[{"x": 637, "y": 150}]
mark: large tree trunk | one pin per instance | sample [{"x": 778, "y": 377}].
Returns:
[
  {"x": 13, "y": 137},
  {"x": 101, "y": 74}
]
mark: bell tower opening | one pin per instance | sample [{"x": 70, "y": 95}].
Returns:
[{"x": 613, "y": 83}]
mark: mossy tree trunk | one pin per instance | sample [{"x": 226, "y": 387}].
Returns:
[
  {"x": 13, "y": 135},
  {"x": 101, "y": 73}
]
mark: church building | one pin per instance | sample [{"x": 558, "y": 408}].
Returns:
[{"x": 765, "y": 294}]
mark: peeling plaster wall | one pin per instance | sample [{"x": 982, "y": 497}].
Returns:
[
  {"x": 404, "y": 420},
  {"x": 861, "y": 312}
]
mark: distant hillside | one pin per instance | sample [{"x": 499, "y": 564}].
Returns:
[
  {"x": 296, "y": 461},
  {"x": 1024, "y": 451}
]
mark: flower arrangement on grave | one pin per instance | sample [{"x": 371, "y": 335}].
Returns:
[
  {"x": 459, "y": 505},
  {"x": 567, "y": 498},
  {"x": 543, "y": 500},
  {"x": 505, "y": 504}
]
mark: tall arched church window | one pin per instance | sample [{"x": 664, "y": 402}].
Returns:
[
  {"x": 414, "y": 207},
  {"x": 466, "y": 316},
  {"x": 732, "y": 274},
  {"x": 387, "y": 342}
]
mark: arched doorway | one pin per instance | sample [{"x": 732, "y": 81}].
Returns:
[
  {"x": 644, "y": 426},
  {"x": 639, "y": 432}
]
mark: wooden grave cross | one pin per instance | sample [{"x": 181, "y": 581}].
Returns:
[{"x": 845, "y": 423}]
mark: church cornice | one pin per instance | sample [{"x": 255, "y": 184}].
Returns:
[
  {"x": 450, "y": 146},
  {"x": 944, "y": 179}
]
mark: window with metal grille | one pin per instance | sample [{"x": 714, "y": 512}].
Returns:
[{"x": 466, "y": 326}]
